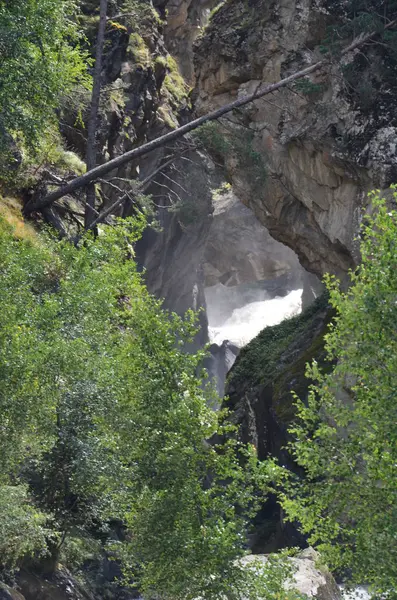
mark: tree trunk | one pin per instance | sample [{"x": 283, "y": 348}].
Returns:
[{"x": 93, "y": 119}]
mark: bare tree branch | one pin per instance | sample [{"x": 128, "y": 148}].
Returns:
[
  {"x": 120, "y": 16},
  {"x": 127, "y": 196}
]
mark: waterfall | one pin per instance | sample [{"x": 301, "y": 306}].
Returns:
[{"x": 241, "y": 324}]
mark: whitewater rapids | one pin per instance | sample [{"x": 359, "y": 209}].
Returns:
[{"x": 246, "y": 322}]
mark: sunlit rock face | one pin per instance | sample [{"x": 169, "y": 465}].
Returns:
[
  {"x": 309, "y": 579},
  {"x": 324, "y": 146},
  {"x": 184, "y": 22}
]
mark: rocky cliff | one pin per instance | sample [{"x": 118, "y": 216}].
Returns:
[
  {"x": 325, "y": 141},
  {"x": 144, "y": 96}
]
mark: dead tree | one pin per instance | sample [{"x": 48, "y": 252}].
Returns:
[{"x": 91, "y": 151}]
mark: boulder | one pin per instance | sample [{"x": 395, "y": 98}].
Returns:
[
  {"x": 7, "y": 593},
  {"x": 311, "y": 578}
]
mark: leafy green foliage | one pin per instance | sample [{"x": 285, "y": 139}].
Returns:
[
  {"x": 40, "y": 62},
  {"x": 370, "y": 73},
  {"x": 174, "y": 83},
  {"x": 346, "y": 437},
  {"x": 355, "y": 17},
  {"x": 23, "y": 529},
  {"x": 266, "y": 580},
  {"x": 106, "y": 416},
  {"x": 308, "y": 88}
]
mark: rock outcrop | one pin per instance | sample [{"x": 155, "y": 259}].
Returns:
[
  {"x": 325, "y": 142},
  {"x": 259, "y": 388},
  {"x": 309, "y": 578},
  {"x": 7, "y": 593},
  {"x": 220, "y": 360},
  {"x": 144, "y": 95},
  {"x": 185, "y": 20}
]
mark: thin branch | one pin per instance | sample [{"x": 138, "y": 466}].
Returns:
[
  {"x": 124, "y": 197},
  {"x": 112, "y": 185},
  {"x": 105, "y": 213},
  {"x": 170, "y": 190},
  {"x": 145, "y": 182},
  {"x": 70, "y": 211},
  {"x": 121, "y": 16},
  {"x": 175, "y": 183}
]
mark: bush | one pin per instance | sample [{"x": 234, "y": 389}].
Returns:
[
  {"x": 24, "y": 530},
  {"x": 108, "y": 414},
  {"x": 346, "y": 435},
  {"x": 223, "y": 142}
]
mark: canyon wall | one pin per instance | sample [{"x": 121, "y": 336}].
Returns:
[{"x": 324, "y": 142}]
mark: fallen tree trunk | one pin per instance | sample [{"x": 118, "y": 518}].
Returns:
[{"x": 119, "y": 161}]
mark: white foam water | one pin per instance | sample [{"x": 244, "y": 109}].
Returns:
[
  {"x": 245, "y": 323},
  {"x": 359, "y": 593}
]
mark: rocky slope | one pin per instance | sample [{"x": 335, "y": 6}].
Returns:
[
  {"x": 143, "y": 97},
  {"x": 325, "y": 142}
]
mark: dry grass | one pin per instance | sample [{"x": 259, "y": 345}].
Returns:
[{"x": 11, "y": 211}]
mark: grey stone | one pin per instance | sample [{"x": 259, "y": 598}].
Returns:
[{"x": 310, "y": 577}]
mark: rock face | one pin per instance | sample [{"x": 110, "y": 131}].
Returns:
[
  {"x": 309, "y": 579},
  {"x": 240, "y": 250},
  {"x": 325, "y": 142},
  {"x": 173, "y": 257},
  {"x": 185, "y": 20},
  {"x": 7, "y": 593},
  {"x": 144, "y": 96},
  {"x": 218, "y": 364},
  {"x": 313, "y": 580},
  {"x": 61, "y": 586}
]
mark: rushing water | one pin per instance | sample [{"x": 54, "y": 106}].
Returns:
[
  {"x": 246, "y": 322},
  {"x": 358, "y": 593}
]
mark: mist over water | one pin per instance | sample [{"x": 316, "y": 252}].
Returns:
[{"x": 240, "y": 325}]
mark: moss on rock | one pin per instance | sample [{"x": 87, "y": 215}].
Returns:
[
  {"x": 259, "y": 390},
  {"x": 275, "y": 349}
]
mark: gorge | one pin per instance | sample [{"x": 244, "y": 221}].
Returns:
[{"x": 247, "y": 215}]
